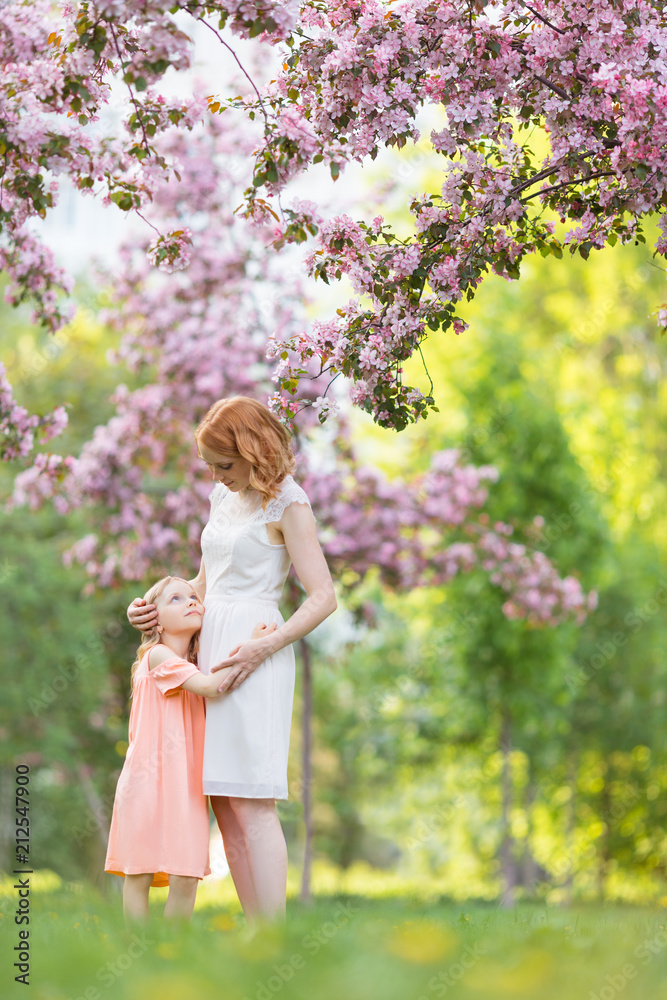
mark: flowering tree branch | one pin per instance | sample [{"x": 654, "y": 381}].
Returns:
[{"x": 349, "y": 79}]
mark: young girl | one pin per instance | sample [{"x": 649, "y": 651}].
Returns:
[{"x": 160, "y": 827}]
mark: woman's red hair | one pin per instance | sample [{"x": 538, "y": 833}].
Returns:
[{"x": 241, "y": 426}]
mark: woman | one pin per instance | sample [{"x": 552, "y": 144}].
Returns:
[{"x": 260, "y": 523}]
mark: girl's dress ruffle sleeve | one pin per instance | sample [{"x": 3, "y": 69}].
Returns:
[{"x": 170, "y": 675}]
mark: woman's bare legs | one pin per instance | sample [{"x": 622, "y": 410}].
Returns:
[
  {"x": 235, "y": 852},
  {"x": 266, "y": 851},
  {"x": 135, "y": 896},
  {"x": 181, "y": 899},
  {"x": 258, "y": 854}
]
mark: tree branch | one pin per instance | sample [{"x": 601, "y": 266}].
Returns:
[
  {"x": 239, "y": 64},
  {"x": 552, "y": 86},
  {"x": 132, "y": 97},
  {"x": 544, "y": 20},
  {"x": 564, "y": 184}
]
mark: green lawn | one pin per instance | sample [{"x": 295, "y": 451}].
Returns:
[{"x": 342, "y": 947}]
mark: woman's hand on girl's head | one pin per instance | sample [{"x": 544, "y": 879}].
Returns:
[{"x": 141, "y": 615}]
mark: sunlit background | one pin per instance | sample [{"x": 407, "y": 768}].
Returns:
[{"x": 461, "y": 762}]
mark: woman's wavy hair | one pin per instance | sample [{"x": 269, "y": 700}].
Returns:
[
  {"x": 241, "y": 426},
  {"x": 152, "y": 638}
]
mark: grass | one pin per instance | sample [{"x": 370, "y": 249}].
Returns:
[{"x": 342, "y": 947}]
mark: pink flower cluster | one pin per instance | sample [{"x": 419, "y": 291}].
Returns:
[
  {"x": 18, "y": 427},
  {"x": 407, "y": 532},
  {"x": 171, "y": 252},
  {"x": 202, "y": 334},
  {"x": 350, "y": 78},
  {"x": 592, "y": 76}
]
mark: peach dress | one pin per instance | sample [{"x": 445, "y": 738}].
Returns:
[{"x": 160, "y": 820}]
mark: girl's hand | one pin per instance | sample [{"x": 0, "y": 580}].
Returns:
[
  {"x": 141, "y": 615},
  {"x": 261, "y": 630},
  {"x": 244, "y": 659}
]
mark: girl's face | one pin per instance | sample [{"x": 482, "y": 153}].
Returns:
[
  {"x": 231, "y": 470},
  {"x": 179, "y": 609}
]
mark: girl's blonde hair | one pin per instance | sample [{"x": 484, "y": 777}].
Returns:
[
  {"x": 152, "y": 638},
  {"x": 242, "y": 426}
]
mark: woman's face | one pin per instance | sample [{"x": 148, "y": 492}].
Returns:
[{"x": 231, "y": 470}]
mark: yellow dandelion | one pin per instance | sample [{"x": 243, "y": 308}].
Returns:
[
  {"x": 262, "y": 944},
  {"x": 425, "y": 942},
  {"x": 174, "y": 986},
  {"x": 534, "y": 969},
  {"x": 222, "y": 922}
]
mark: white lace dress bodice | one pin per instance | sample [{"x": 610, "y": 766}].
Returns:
[
  {"x": 247, "y": 730},
  {"x": 240, "y": 560}
]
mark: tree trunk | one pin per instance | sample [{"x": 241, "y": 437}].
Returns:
[
  {"x": 530, "y": 870},
  {"x": 571, "y": 827},
  {"x": 99, "y": 813},
  {"x": 306, "y": 723},
  {"x": 7, "y": 829},
  {"x": 507, "y": 859},
  {"x": 604, "y": 855}
]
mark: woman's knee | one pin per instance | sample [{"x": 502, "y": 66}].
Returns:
[
  {"x": 220, "y": 806},
  {"x": 255, "y": 817}
]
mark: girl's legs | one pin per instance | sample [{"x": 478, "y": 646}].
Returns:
[
  {"x": 257, "y": 857},
  {"x": 135, "y": 896},
  {"x": 181, "y": 899}
]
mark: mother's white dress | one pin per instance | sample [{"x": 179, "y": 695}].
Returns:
[{"x": 247, "y": 730}]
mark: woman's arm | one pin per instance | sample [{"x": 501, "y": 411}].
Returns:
[
  {"x": 199, "y": 582},
  {"x": 144, "y": 616},
  {"x": 299, "y": 531}
]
